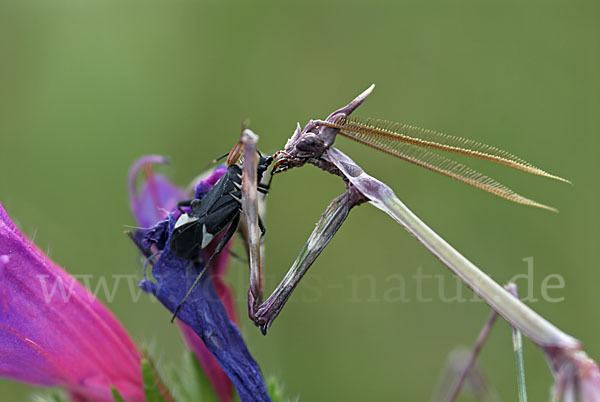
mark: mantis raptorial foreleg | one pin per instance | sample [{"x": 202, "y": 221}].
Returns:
[
  {"x": 251, "y": 218},
  {"x": 263, "y": 314}
]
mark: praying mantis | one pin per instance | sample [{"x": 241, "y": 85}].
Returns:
[
  {"x": 313, "y": 144},
  {"x": 219, "y": 206}
]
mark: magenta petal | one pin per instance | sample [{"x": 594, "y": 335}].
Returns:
[
  {"x": 157, "y": 195},
  {"x": 53, "y": 331}
]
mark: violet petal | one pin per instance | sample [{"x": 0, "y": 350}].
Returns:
[
  {"x": 206, "y": 184},
  {"x": 205, "y": 314},
  {"x": 157, "y": 195}
]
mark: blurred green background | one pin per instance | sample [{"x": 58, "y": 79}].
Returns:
[{"x": 86, "y": 87}]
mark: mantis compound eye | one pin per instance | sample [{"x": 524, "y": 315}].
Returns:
[{"x": 311, "y": 144}]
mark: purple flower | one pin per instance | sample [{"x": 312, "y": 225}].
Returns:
[
  {"x": 156, "y": 197},
  {"x": 215, "y": 374},
  {"x": 207, "y": 315},
  {"x": 53, "y": 332}
]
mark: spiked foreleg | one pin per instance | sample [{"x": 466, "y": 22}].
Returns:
[
  {"x": 326, "y": 228},
  {"x": 250, "y": 208}
]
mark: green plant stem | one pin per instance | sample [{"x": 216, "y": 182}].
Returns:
[{"x": 518, "y": 352}]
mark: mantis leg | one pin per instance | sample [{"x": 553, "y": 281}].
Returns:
[
  {"x": 250, "y": 211},
  {"x": 263, "y": 314},
  {"x": 326, "y": 228}
]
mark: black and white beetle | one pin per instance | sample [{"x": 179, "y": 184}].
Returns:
[{"x": 211, "y": 215}]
